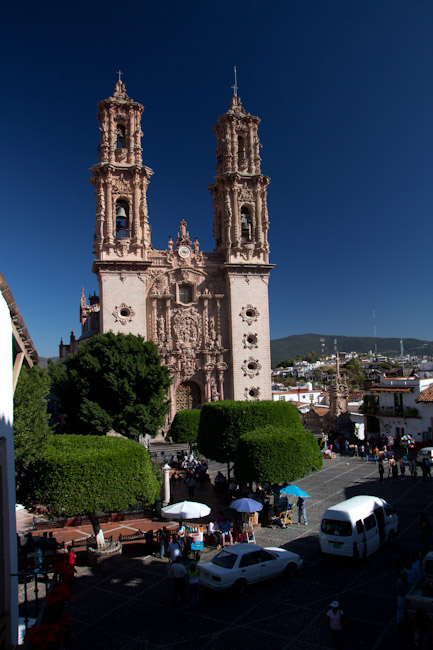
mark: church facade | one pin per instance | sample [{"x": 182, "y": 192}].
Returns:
[{"x": 206, "y": 311}]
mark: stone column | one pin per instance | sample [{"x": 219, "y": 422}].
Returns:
[
  {"x": 259, "y": 232},
  {"x": 131, "y": 137},
  {"x": 109, "y": 212},
  {"x": 166, "y": 472}
]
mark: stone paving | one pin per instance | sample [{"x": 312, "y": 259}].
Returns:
[{"x": 125, "y": 602}]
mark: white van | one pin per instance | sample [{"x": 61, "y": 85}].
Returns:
[
  {"x": 357, "y": 527},
  {"x": 424, "y": 452}
]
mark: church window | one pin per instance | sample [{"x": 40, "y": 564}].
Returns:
[
  {"x": 253, "y": 392},
  {"x": 252, "y": 339},
  {"x": 252, "y": 365},
  {"x": 120, "y": 144},
  {"x": 250, "y": 313},
  {"x": 185, "y": 293},
  {"x": 245, "y": 224},
  {"x": 125, "y": 312},
  {"x": 122, "y": 219}
]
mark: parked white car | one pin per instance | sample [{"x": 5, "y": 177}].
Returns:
[
  {"x": 424, "y": 452},
  {"x": 240, "y": 565}
]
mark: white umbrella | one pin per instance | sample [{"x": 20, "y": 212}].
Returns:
[
  {"x": 185, "y": 510},
  {"x": 246, "y": 505}
]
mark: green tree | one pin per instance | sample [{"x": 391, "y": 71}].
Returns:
[
  {"x": 31, "y": 427},
  {"x": 81, "y": 475},
  {"x": 114, "y": 381},
  {"x": 311, "y": 357},
  {"x": 184, "y": 427},
  {"x": 276, "y": 454},
  {"x": 223, "y": 423}
]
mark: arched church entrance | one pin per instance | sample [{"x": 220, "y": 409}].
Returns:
[{"x": 188, "y": 396}]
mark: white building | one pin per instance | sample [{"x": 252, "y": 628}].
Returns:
[
  {"x": 301, "y": 395},
  {"x": 393, "y": 408}
]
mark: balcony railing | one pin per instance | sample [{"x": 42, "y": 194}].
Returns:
[{"x": 391, "y": 411}]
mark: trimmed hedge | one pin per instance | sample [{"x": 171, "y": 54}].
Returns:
[
  {"x": 223, "y": 423},
  {"x": 276, "y": 455},
  {"x": 184, "y": 427},
  {"x": 84, "y": 474}
]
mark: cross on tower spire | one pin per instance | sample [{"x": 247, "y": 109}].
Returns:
[
  {"x": 120, "y": 73},
  {"x": 235, "y": 85}
]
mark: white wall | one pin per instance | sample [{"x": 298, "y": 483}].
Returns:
[{"x": 8, "y": 539}]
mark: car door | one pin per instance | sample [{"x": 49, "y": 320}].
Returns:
[
  {"x": 372, "y": 539},
  {"x": 269, "y": 565},
  {"x": 249, "y": 566}
]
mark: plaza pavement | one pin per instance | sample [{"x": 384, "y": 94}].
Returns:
[{"x": 125, "y": 603}]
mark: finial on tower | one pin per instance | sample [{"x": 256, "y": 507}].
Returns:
[
  {"x": 235, "y": 85},
  {"x": 120, "y": 73}
]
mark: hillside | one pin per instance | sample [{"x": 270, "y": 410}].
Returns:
[{"x": 302, "y": 344}]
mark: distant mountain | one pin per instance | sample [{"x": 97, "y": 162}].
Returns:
[
  {"x": 43, "y": 361},
  {"x": 302, "y": 344}
]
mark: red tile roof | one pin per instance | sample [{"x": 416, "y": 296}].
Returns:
[
  {"x": 394, "y": 389},
  {"x": 426, "y": 395}
]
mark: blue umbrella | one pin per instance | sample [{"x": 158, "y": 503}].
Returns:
[
  {"x": 246, "y": 505},
  {"x": 295, "y": 491}
]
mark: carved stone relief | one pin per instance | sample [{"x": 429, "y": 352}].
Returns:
[
  {"x": 249, "y": 314},
  {"x": 250, "y": 340},
  {"x": 252, "y": 393},
  {"x": 251, "y": 367},
  {"x": 123, "y": 313}
]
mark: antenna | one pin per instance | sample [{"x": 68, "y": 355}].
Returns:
[
  {"x": 322, "y": 346},
  {"x": 235, "y": 85}
]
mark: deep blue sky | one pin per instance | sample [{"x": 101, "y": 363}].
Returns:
[{"x": 344, "y": 91}]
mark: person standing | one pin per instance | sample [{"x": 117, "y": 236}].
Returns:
[
  {"x": 402, "y": 589},
  {"x": 302, "y": 513},
  {"x": 381, "y": 469},
  {"x": 193, "y": 585},
  {"x": 337, "y": 622},
  {"x": 178, "y": 573},
  {"x": 190, "y": 482},
  {"x": 424, "y": 524}
]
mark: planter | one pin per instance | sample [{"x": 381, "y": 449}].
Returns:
[{"x": 97, "y": 555}]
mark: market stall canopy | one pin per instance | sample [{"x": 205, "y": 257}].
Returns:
[
  {"x": 246, "y": 505},
  {"x": 185, "y": 510}
]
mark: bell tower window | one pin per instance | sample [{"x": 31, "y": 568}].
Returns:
[
  {"x": 120, "y": 144},
  {"x": 122, "y": 219},
  {"x": 245, "y": 224}
]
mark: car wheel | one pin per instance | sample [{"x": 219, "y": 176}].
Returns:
[
  {"x": 291, "y": 570},
  {"x": 239, "y": 587}
]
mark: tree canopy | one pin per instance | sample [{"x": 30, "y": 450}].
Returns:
[
  {"x": 184, "y": 427},
  {"x": 113, "y": 382},
  {"x": 79, "y": 475},
  {"x": 31, "y": 419},
  {"x": 276, "y": 455},
  {"x": 223, "y": 423}
]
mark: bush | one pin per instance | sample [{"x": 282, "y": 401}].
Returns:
[
  {"x": 223, "y": 423},
  {"x": 84, "y": 474},
  {"x": 184, "y": 427},
  {"x": 276, "y": 455}
]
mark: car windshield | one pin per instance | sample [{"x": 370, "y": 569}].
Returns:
[
  {"x": 225, "y": 559},
  {"x": 335, "y": 527}
]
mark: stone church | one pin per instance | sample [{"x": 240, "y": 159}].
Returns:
[{"x": 207, "y": 312}]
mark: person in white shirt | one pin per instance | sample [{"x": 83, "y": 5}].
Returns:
[{"x": 178, "y": 573}]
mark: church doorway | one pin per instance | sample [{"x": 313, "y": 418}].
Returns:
[{"x": 188, "y": 396}]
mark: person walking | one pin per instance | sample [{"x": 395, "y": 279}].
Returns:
[
  {"x": 412, "y": 468},
  {"x": 302, "y": 513},
  {"x": 190, "y": 482},
  {"x": 337, "y": 622}
]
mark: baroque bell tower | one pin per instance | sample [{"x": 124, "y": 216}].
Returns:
[
  {"x": 122, "y": 233},
  {"x": 241, "y": 237}
]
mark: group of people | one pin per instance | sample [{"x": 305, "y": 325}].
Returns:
[
  {"x": 222, "y": 531},
  {"x": 399, "y": 465}
]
